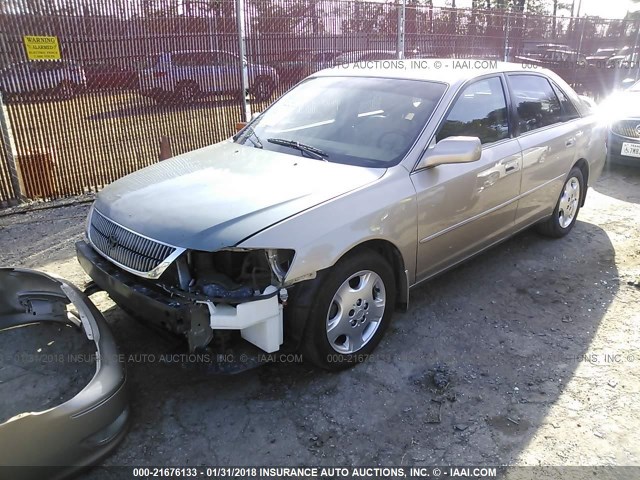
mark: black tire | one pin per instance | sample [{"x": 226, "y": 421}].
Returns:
[
  {"x": 262, "y": 89},
  {"x": 553, "y": 226},
  {"x": 316, "y": 346},
  {"x": 188, "y": 93}
]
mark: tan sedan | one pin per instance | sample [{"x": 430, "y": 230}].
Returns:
[{"x": 307, "y": 230}]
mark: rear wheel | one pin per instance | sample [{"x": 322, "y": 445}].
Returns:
[
  {"x": 352, "y": 310},
  {"x": 163, "y": 98},
  {"x": 566, "y": 212},
  {"x": 263, "y": 89},
  {"x": 188, "y": 93}
]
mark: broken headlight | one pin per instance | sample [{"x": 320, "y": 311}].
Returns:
[{"x": 230, "y": 273}]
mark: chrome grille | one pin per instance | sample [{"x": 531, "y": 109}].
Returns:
[
  {"x": 627, "y": 128},
  {"x": 136, "y": 253}
]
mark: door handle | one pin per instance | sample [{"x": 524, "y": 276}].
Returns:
[
  {"x": 570, "y": 143},
  {"x": 511, "y": 166}
]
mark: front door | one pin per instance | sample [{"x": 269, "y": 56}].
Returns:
[{"x": 462, "y": 208}]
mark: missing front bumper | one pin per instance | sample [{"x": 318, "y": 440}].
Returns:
[
  {"x": 77, "y": 433},
  {"x": 259, "y": 321}
]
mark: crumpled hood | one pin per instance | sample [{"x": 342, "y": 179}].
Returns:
[{"x": 218, "y": 196}]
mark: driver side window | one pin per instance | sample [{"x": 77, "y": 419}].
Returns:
[{"x": 479, "y": 111}]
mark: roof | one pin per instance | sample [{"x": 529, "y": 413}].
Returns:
[{"x": 447, "y": 70}]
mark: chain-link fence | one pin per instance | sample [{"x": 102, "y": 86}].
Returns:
[{"x": 127, "y": 79}]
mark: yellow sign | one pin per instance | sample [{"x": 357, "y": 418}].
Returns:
[{"x": 42, "y": 48}]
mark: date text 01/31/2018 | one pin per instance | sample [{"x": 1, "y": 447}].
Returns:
[{"x": 313, "y": 472}]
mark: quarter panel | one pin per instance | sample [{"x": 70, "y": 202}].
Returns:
[
  {"x": 548, "y": 155},
  {"x": 593, "y": 147}
]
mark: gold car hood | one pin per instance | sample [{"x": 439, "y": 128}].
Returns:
[{"x": 220, "y": 195}]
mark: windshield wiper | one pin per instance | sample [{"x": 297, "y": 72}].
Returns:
[
  {"x": 313, "y": 152},
  {"x": 248, "y": 133}
]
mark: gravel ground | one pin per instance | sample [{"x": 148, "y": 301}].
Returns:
[{"x": 526, "y": 355}]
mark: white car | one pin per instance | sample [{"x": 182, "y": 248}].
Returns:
[
  {"x": 62, "y": 78},
  {"x": 189, "y": 75}
]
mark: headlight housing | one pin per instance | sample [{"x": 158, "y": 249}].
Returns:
[{"x": 236, "y": 271}]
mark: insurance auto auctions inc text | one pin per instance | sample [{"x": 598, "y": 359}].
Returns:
[
  {"x": 376, "y": 472},
  {"x": 420, "y": 64}
]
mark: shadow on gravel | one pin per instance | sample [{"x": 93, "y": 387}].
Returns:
[{"x": 466, "y": 376}]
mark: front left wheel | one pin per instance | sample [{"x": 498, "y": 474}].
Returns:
[{"x": 351, "y": 311}]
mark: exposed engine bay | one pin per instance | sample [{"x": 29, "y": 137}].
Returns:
[{"x": 228, "y": 274}]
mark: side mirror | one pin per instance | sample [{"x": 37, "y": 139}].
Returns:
[{"x": 452, "y": 150}]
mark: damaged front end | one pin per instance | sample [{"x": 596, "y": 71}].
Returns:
[
  {"x": 216, "y": 300},
  {"x": 77, "y": 433},
  {"x": 242, "y": 290}
]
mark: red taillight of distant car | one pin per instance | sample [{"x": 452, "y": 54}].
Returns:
[{"x": 160, "y": 74}]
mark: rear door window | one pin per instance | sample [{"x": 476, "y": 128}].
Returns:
[
  {"x": 569, "y": 111},
  {"x": 228, "y": 59},
  {"x": 194, "y": 59},
  {"x": 535, "y": 101}
]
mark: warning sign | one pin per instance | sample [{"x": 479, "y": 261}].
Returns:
[{"x": 42, "y": 48}]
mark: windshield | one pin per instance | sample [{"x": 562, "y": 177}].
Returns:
[{"x": 370, "y": 122}]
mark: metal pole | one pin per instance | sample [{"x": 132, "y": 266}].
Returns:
[
  {"x": 401, "y": 29},
  {"x": 584, "y": 21},
  {"x": 211, "y": 33},
  {"x": 215, "y": 28},
  {"x": 577, "y": 17},
  {"x": 11, "y": 151},
  {"x": 506, "y": 40},
  {"x": 243, "y": 51}
]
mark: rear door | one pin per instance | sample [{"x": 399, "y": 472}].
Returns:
[
  {"x": 198, "y": 67},
  {"x": 547, "y": 133},
  {"x": 462, "y": 208},
  {"x": 229, "y": 72}
]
